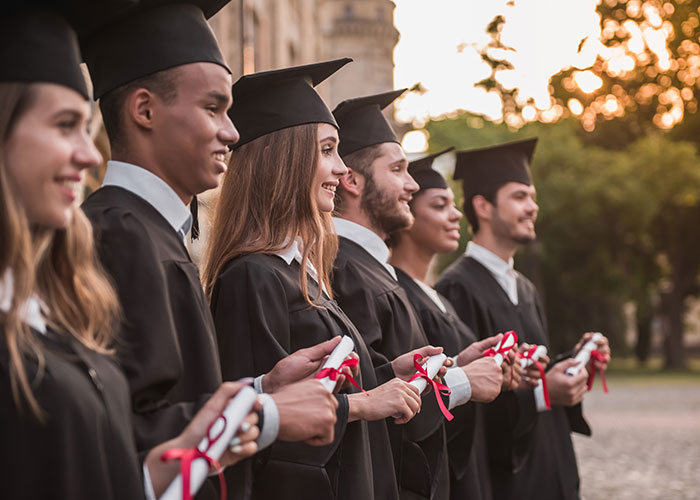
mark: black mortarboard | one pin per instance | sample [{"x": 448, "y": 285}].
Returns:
[
  {"x": 362, "y": 123},
  {"x": 273, "y": 100},
  {"x": 38, "y": 45},
  {"x": 154, "y": 36},
  {"x": 422, "y": 172},
  {"x": 482, "y": 169}
]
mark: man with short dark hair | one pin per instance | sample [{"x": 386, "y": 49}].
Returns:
[
  {"x": 165, "y": 91},
  {"x": 530, "y": 451}
]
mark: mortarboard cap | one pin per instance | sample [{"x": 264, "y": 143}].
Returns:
[
  {"x": 154, "y": 36},
  {"x": 362, "y": 123},
  {"x": 422, "y": 172},
  {"x": 38, "y": 45},
  {"x": 481, "y": 169},
  {"x": 273, "y": 100}
]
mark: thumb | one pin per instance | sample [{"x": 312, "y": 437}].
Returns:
[
  {"x": 319, "y": 351},
  {"x": 487, "y": 343},
  {"x": 428, "y": 350},
  {"x": 567, "y": 363}
]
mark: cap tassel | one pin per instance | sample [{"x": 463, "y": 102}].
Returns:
[{"x": 194, "y": 210}]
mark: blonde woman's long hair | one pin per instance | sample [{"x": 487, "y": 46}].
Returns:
[
  {"x": 267, "y": 200},
  {"x": 57, "y": 265}
]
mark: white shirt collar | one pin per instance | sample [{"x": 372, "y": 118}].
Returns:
[
  {"x": 153, "y": 190},
  {"x": 29, "y": 312},
  {"x": 294, "y": 253},
  {"x": 432, "y": 295},
  {"x": 367, "y": 239},
  {"x": 503, "y": 271}
]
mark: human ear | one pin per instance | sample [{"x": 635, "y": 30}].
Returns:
[{"x": 353, "y": 183}]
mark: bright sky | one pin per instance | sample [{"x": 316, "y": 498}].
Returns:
[{"x": 546, "y": 34}]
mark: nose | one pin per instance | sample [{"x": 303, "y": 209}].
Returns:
[
  {"x": 339, "y": 167},
  {"x": 411, "y": 185},
  {"x": 86, "y": 154},
  {"x": 228, "y": 134},
  {"x": 455, "y": 214}
]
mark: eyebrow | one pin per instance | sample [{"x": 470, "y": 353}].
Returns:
[
  {"x": 441, "y": 197},
  {"x": 330, "y": 138},
  {"x": 219, "y": 97},
  {"x": 68, "y": 111}
]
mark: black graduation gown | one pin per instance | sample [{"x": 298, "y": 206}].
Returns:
[
  {"x": 261, "y": 316},
  {"x": 382, "y": 313},
  {"x": 466, "y": 443},
  {"x": 85, "y": 448},
  {"x": 536, "y": 458},
  {"x": 166, "y": 343}
]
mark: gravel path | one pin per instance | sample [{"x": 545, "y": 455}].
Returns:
[{"x": 646, "y": 441}]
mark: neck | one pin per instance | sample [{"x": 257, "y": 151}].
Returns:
[
  {"x": 149, "y": 162},
  {"x": 411, "y": 258},
  {"x": 504, "y": 249}
]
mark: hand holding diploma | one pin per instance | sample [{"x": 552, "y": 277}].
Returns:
[
  {"x": 338, "y": 366},
  {"x": 532, "y": 358},
  {"x": 595, "y": 355},
  {"x": 208, "y": 434},
  {"x": 425, "y": 374}
]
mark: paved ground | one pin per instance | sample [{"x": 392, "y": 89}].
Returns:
[{"x": 646, "y": 440}]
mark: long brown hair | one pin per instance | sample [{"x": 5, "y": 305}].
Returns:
[
  {"x": 267, "y": 200},
  {"x": 58, "y": 265}
]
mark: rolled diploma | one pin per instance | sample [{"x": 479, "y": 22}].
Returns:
[
  {"x": 235, "y": 412},
  {"x": 584, "y": 355},
  {"x": 539, "y": 390},
  {"x": 336, "y": 358},
  {"x": 432, "y": 366},
  {"x": 499, "y": 357}
]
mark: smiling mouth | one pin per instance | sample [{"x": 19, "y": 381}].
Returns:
[
  {"x": 329, "y": 187},
  {"x": 220, "y": 157}
]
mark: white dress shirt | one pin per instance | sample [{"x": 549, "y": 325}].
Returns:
[
  {"x": 153, "y": 190},
  {"x": 503, "y": 271}
]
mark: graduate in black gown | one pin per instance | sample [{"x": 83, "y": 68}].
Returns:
[
  {"x": 436, "y": 230},
  {"x": 65, "y": 424},
  {"x": 531, "y": 454},
  {"x": 373, "y": 202},
  {"x": 267, "y": 271},
  {"x": 164, "y": 90}
]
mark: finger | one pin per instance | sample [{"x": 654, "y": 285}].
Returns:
[
  {"x": 427, "y": 350},
  {"x": 318, "y": 351}
]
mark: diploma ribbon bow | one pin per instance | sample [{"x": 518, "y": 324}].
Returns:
[
  {"x": 187, "y": 455},
  {"x": 504, "y": 348},
  {"x": 543, "y": 378},
  {"x": 437, "y": 386},
  {"x": 596, "y": 356},
  {"x": 332, "y": 373}
]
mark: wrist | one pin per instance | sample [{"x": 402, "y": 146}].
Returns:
[{"x": 356, "y": 406}]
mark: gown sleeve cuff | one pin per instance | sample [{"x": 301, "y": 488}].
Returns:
[
  {"x": 147, "y": 484},
  {"x": 257, "y": 384},
  {"x": 271, "y": 422},
  {"x": 460, "y": 388}
]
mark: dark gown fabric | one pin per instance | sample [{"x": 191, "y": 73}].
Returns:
[
  {"x": 466, "y": 444},
  {"x": 385, "y": 318},
  {"x": 530, "y": 453},
  {"x": 85, "y": 448},
  {"x": 261, "y": 316},
  {"x": 166, "y": 343}
]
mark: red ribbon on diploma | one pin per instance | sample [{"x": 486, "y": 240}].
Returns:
[
  {"x": 187, "y": 456},
  {"x": 504, "y": 350},
  {"x": 332, "y": 373},
  {"x": 545, "y": 391},
  {"x": 437, "y": 386},
  {"x": 596, "y": 356}
]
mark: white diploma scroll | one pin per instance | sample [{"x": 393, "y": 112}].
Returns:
[
  {"x": 221, "y": 432},
  {"x": 336, "y": 359},
  {"x": 539, "y": 390},
  {"x": 584, "y": 355},
  {"x": 510, "y": 342},
  {"x": 432, "y": 367}
]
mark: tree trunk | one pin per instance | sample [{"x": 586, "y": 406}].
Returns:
[
  {"x": 644, "y": 318},
  {"x": 674, "y": 310}
]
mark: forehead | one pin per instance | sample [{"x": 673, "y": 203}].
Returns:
[
  {"x": 204, "y": 77},
  {"x": 391, "y": 152},
  {"x": 52, "y": 98},
  {"x": 326, "y": 130},
  {"x": 438, "y": 193},
  {"x": 512, "y": 188}
]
